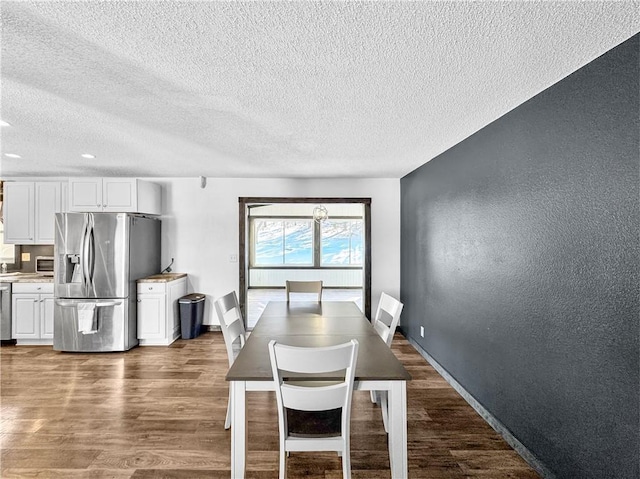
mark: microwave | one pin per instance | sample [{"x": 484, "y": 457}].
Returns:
[{"x": 44, "y": 265}]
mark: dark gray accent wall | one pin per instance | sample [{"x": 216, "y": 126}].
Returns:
[{"x": 520, "y": 257}]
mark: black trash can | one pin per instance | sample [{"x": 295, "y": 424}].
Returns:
[{"x": 191, "y": 314}]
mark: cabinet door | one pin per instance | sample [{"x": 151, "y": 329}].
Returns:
[
  {"x": 85, "y": 194},
  {"x": 25, "y": 319},
  {"x": 119, "y": 195},
  {"x": 151, "y": 316},
  {"x": 47, "y": 201},
  {"x": 19, "y": 213},
  {"x": 46, "y": 316}
]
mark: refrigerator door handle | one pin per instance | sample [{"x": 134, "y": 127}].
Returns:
[
  {"x": 91, "y": 267},
  {"x": 88, "y": 250},
  {"x": 85, "y": 273},
  {"x": 99, "y": 304}
]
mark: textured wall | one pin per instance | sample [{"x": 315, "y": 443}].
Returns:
[{"x": 520, "y": 258}]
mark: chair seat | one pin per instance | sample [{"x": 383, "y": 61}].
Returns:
[{"x": 314, "y": 423}]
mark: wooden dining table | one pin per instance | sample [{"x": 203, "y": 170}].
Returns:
[{"x": 314, "y": 324}]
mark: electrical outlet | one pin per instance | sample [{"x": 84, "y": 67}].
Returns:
[
  {"x": 233, "y": 258},
  {"x": 422, "y": 331},
  {"x": 26, "y": 256}
]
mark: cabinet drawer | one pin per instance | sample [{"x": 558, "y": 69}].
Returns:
[
  {"x": 151, "y": 288},
  {"x": 32, "y": 288}
]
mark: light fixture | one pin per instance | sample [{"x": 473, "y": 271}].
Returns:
[
  {"x": 88, "y": 156},
  {"x": 320, "y": 213},
  {"x": 12, "y": 155},
  {"x": 4, "y": 123}
]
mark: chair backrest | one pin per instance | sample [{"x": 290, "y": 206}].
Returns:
[
  {"x": 387, "y": 317},
  {"x": 340, "y": 359},
  {"x": 304, "y": 287},
  {"x": 231, "y": 323}
]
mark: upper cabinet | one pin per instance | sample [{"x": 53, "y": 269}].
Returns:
[
  {"x": 29, "y": 209},
  {"x": 118, "y": 195}
]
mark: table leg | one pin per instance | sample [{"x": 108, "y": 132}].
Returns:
[
  {"x": 397, "y": 408},
  {"x": 238, "y": 430}
]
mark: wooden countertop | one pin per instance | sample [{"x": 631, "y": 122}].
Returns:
[
  {"x": 38, "y": 278},
  {"x": 162, "y": 278}
]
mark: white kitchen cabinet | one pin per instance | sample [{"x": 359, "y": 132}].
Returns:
[
  {"x": 116, "y": 195},
  {"x": 158, "y": 317},
  {"x": 29, "y": 211},
  {"x": 32, "y": 313}
]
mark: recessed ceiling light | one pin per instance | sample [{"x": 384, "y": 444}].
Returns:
[
  {"x": 88, "y": 155},
  {"x": 4, "y": 123},
  {"x": 12, "y": 155}
]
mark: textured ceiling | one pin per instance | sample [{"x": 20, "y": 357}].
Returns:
[{"x": 277, "y": 89}]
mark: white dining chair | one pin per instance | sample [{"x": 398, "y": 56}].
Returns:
[
  {"x": 298, "y": 401},
  {"x": 385, "y": 323},
  {"x": 234, "y": 333},
  {"x": 304, "y": 287}
]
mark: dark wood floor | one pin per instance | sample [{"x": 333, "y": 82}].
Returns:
[{"x": 158, "y": 412}]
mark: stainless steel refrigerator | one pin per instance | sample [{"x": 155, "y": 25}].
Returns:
[{"x": 98, "y": 258}]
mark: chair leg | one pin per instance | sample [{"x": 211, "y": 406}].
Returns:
[
  {"x": 283, "y": 462},
  {"x": 227, "y": 421},
  {"x": 385, "y": 411},
  {"x": 346, "y": 462}
]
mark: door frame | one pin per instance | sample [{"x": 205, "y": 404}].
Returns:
[{"x": 243, "y": 239}]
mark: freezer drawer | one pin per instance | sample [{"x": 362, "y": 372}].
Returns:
[{"x": 108, "y": 329}]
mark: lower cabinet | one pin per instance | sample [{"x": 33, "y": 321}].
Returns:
[
  {"x": 32, "y": 313},
  {"x": 158, "y": 318}
]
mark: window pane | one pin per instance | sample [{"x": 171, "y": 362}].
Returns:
[
  {"x": 280, "y": 242},
  {"x": 298, "y": 242},
  {"x": 7, "y": 251},
  {"x": 269, "y": 242},
  {"x": 341, "y": 243}
]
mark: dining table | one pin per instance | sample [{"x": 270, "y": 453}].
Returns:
[{"x": 317, "y": 324}]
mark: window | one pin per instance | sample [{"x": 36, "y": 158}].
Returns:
[
  {"x": 283, "y": 242},
  {"x": 301, "y": 242},
  {"x": 341, "y": 243},
  {"x": 7, "y": 251}
]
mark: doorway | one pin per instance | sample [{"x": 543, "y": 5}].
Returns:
[{"x": 277, "y": 221}]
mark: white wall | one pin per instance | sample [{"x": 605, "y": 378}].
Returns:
[{"x": 200, "y": 227}]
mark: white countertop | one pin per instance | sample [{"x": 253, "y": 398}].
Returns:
[{"x": 25, "y": 278}]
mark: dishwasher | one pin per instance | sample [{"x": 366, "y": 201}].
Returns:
[{"x": 5, "y": 311}]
